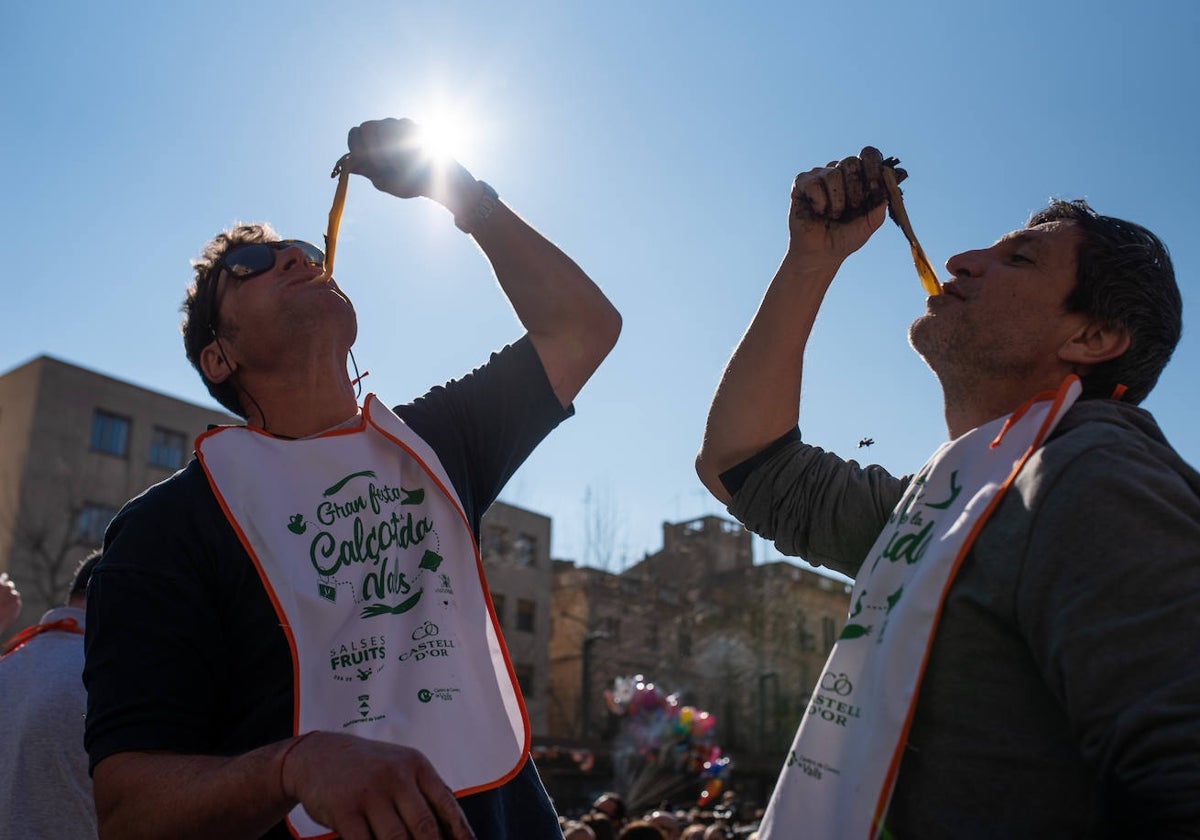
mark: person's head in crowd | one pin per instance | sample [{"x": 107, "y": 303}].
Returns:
[
  {"x": 719, "y": 830},
  {"x": 601, "y": 825},
  {"x": 575, "y": 830},
  {"x": 611, "y": 805},
  {"x": 695, "y": 831},
  {"x": 667, "y": 822},
  {"x": 77, "y": 595},
  {"x": 726, "y": 808},
  {"x": 641, "y": 830}
]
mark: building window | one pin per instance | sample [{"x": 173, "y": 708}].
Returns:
[
  {"x": 524, "y": 549},
  {"x": 93, "y": 519},
  {"x": 166, "y": 448},
  {"x": 524, "y": 675},
  {"x": 498, "y": 606},
  {"x": 110, "y": 433},
  {"x": 612, "y": 626},
  {"x": 492, "y": 544},
  {"x": 685, "y": 644},
  {"x": 829, "y": 631},
  {"x": 804, "y": 639},
  {"x": 652, "y": 637},
  {"x": 525, "y": 613}
]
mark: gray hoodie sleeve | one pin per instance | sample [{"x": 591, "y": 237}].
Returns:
[{"x": 813, "y": 504}]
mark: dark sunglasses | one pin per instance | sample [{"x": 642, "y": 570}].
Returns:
[{"x": 246, "y": 261}]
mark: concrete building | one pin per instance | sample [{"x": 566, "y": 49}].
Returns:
[
  {"x": 75, "y": 445},
  {"x": 515, "y": 546}
]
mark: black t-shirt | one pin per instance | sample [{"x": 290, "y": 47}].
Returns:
[{"x": 184, "y": 652}]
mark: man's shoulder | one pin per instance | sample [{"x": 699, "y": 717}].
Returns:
[
  {"x": 180, "y": 489},
  {"x": 179, "y": 505},
  {"x": 518, "y": 360},
  {"x": 1095, "y": 423},
  {"x": 1099, "y": 438}
]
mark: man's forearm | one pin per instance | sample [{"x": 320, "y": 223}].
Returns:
[
  {"x": 758, "y": 397},
  {"x": 834, "y": 210},
  {"x": 570, "y": 322},
  {"x": 165, "y": 795}
]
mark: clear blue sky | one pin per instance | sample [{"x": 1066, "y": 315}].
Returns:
[{"x": 654, "y": 142}]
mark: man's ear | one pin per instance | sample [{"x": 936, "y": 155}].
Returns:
[
  {"x": 1095, "y": 342},
  {"x": 214, "y": 365}
]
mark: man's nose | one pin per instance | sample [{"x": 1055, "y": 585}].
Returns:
[
  {"x": 289, "y": 256},
  {"x": 966, "y": 264}
]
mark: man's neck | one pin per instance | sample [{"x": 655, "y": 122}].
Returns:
[
  {"x": 967, "y": 408},
  {"x": 299, "y": 401}
]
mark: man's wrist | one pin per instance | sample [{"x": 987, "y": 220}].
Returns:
[
  {"x": 293, "y": 743},
  {"x": 471, "y": 219}
]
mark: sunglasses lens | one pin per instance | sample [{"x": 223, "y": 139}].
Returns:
[
  {"x": 250, "y": 259},
  {"x": 311, "y": 252}
]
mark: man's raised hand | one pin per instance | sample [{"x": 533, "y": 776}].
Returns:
[
  {"x": 835, "y": 208},
  {"x": 392, "y": 155}
]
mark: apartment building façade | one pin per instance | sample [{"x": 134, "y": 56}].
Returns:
[{"x": 75, "y": 445}]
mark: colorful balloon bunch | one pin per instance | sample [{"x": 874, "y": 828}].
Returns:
[{"x": 668, "y": 734}]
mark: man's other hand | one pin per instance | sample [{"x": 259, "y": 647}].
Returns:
[{"x": 364, "y": 789}]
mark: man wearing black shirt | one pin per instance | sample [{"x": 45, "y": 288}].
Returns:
[{"x": 197, "y": 666}]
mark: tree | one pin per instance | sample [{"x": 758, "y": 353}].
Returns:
[
  {"x": 601, "y": 527},
  {"x": 45, "y": 546}
]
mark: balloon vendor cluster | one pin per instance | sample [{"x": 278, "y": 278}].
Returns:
[{"x": 666, "y": 733}]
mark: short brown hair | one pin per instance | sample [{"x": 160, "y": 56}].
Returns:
[{"x": 199, "y": 326}]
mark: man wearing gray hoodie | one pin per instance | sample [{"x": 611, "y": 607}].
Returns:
[{"x": 1019, "y": 655}]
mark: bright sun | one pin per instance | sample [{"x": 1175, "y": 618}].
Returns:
[{"x": 445, "y": 133}]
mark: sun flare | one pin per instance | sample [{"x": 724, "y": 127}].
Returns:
[{"x": 445, "y": 133}]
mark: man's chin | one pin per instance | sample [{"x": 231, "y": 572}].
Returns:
[
  {"x": 924, "y": 338},
  {"x": 337, "y": 290},
  {"x": 918, "y": 333}
]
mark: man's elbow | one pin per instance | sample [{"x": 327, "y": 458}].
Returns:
[
  {"x": 600, "y": 337},
  {"x": 710, "y": 476},
  {"x": 607, "y": 329}
]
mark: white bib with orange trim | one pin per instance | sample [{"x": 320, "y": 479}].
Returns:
[
  {"x": 840, "y": 772},
  {"x": 371, "y": 564}
]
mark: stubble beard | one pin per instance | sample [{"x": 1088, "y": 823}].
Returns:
[{"x": 953, "y": 351}]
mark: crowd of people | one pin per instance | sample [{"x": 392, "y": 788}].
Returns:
[
  {"x": 609, "y": 818},
  {"x": 1024, "y": 625}
]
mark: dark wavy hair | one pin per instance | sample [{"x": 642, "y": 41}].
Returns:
[
  {"x": 1123, "y": 277},
  {"x": 200, "y": 326}
]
